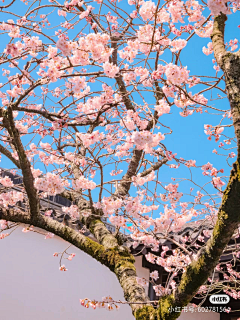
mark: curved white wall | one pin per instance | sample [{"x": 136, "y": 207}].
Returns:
[{"x": 32, "y": 287}]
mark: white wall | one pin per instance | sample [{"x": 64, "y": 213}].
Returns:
[
  {"x": 141, "y": 272},
  {"x": 32, "y": 287}
]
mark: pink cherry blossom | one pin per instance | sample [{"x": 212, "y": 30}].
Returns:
[
  {"x": 154, "y": 275},
  {"x": 110, "y": 69},
  {"x": 217, "y": 182},
  {"x": 63, "y": 268},
  {"x": 6, "y": 182},
  {"x": 51, "y": 184},
  {"x": 147, "y": 10},
  {"x": 83, "y": 183},
  {"x": 162, "y": 107}
]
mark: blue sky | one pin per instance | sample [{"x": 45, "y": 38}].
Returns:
[{"x": 188, "y": 139}]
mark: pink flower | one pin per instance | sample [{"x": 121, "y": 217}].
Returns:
[
  {"x": 49, "y": 235},
  {"x": 178, "y": 44},
  {"x": 207, "y": 166},
  {"x": 175, "y": 8},
  {"x": 82, "y": 301},
  {"x": 3, "y": 235},
  {"x": 150, "y": 257},
  {"x": 11, "y": 198},
  {"x": 52, "y": 184},
  {"x": 110, "y": 69},
  {"x": 147, "y": 10},
  {"x": 159, "y": 290},
  {"x": 64, "y": 46},
  {"x": 52, "y": 52},
  {"x": 217, "y": 6},
  {"x": 154, "y": 275},
  {"x": 232, "y": 155},
  {"x": 142, "y": 282},
  {"x": 71, "y": 256},
  {"x": 118, "y": 221},
  {"x": 46, "y": 145},
  {"x": 6, "y": 182},
  {"x": 217, "y": 182},
  {"x": 27, "y": 229},
  {"x": 92, "y": 138},
  {"x": 175, "y": 74},
  {"x": 48, "y": 213},
  {"x": 3, "y": 224},
  {"x": 83, "y": 183},
  {"x": 63, "y": 268},
  {"x": 209, "y": 49},
  {"x": 162, "y": 107},
  {"x": 12, "y": 49},
  {"x": 62, "y": 13},
  {"x": 190, "y": 163}
]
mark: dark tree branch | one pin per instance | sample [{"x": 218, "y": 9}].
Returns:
[
  {"x": 154, "y": 167},
  {"x": 24, "y": 163}
]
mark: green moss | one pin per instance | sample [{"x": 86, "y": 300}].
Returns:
[
  {"x": 169, "y": 308},
  {"x": 226, "y": 56},
  {"x": 98, "y": 228},
  {"x": 146, "y": 313}
]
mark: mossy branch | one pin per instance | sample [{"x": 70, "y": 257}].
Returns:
[
  {"x": 93, "y": 222},
  {"x": 121, "y": 262},
  {"x": 200, "y": 269}
]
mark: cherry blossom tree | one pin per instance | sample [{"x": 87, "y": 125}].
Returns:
[{"x": 88, "y": 91}]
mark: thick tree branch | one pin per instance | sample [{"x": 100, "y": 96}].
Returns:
[
  {"x": 119, "y": 262},
  {"x": 218, "y": 38},
  {"x": 154, "y": 167},
  {"x": 93, "y": 222},
  {"x": 25, "y": 165},
  {"x": 125, "y": 184}
]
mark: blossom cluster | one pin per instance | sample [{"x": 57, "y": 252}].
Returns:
[
  {"x": 145, "y": 140},
  {"x": 107, "y": 302},
  {"x": 51, "y": 183},
  {"x": 162, "y": 107},
  {"x": 72, "y": 210},
  {"x": 176, "y": 75},
  {"x": 218, "y": 6},
  {"x": 138, "y": 180},
  {"x": 83, "y": 183},
  {"x": 109, "y": 205},
  {"x": 6, "y": 182},
  {"x": 90, "y": 138},
  {"x": 110, "y": 69},
  {"x": 213, "y": 132},
  {"x": 147, "y": 10},
  {"x": 11, "y": 198}
]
